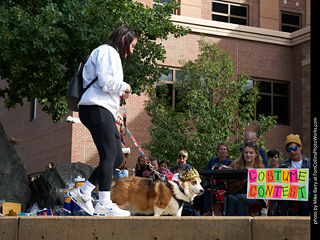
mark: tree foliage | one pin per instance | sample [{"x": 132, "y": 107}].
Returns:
[
  {"x": 212, "y": 106},
  {"x": 43, "y": 41}
]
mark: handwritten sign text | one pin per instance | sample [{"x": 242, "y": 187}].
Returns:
[{"x": 277, "y": 183}]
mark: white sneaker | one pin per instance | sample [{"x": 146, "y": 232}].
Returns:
[
  {"x": 82, "y": 200},
  {"x": 111, "y": 210}
]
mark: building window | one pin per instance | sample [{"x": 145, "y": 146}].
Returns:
[
  {"x": 290, "y": 22},
  {"x": 161, "y": 2},
  {"x": 167, "y": 82},
  {"x": 229, "y": 12},
  {"x": 274, "y": 99}
]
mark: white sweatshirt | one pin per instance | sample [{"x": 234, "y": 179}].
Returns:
[{"x": 104, "y": 62}]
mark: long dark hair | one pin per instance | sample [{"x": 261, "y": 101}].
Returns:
[{"x": 115, "y": 41}]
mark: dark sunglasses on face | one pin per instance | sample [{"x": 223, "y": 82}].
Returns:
[
  {"x": 182, "y": 156},
  {"x": 292, "y": 149}
]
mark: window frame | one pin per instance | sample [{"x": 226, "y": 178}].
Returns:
[
  {"x": 174, "y": 80},
  {"x": 229, "y": 15},
  {"x": 272, "y": 96},
  {"x": 290, "y": 25}
]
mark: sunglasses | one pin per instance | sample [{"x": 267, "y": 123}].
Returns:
[
  {"x": 292, "y": 149},
  {"x": 250, "y": 144},
  {"x": 182, "y": 156}
]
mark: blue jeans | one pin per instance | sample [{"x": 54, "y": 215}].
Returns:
[{"x": 238, "y": 204}]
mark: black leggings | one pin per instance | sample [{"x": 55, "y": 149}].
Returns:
[{"x": 104, "y": 132}]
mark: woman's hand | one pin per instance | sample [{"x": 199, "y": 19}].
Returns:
[
  {"x": 127, "y": 93},
  {"x": 224, "y": 167},
  {"x": 119, "y": 120}
]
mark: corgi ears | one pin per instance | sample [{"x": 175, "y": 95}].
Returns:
[{"x": 182, "y": 173}]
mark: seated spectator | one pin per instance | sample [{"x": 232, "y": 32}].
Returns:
[
  {"x": 51, "y": 164},
  {"x": 182, "y": 158},
  {"x": 133, "y": 172},
  {"x": 121, "y": 171},
  {"x": 273, "y": 157},
  {"x": 155, "y": 165},
  {"x": 252, "y": 137},
  {"x": 164, "y": 167},
  {"x": 221, "y": 159},
  {"x": 140, "y": 166},
  {"x": 296, "y": 160},
  {"x": 215, "y": 163},
  {"x": 238, "y": 202}
]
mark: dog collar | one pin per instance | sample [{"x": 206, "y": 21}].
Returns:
[
  {"x": 180, "y": 202},
  {"x": 175, "y": 181},
  {"x": 178, "y": 183}
]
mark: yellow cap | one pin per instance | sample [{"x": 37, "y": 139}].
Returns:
[{"x": 291, "y": 138}]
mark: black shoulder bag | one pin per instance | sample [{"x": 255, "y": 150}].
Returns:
[{"x": 76, "y": 89}]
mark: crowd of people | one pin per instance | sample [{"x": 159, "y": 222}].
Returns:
[
  {"x": 105, "y": 89},
  {"x": 99, "y": 112},
  {"x": 250, "y": 156}
]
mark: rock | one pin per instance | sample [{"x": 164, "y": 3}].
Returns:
[
  {"x": 14, "y": 183},
  {"x": 46, "y": 189},
  {"x": 69, "y": 171}
]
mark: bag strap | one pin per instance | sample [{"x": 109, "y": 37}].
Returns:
[
  {"x": 93, "y": 81},
  {"x": 89, "y": 85}
]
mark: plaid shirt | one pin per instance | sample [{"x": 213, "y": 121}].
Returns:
[{"x": 288, "y": 163}]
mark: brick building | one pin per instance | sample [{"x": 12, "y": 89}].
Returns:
[{"x": 271, "y": 38}]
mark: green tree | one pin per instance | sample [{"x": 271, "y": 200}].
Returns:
[
  {"x": 43, "y": 41},
  {"x": 212, "y": 106}
]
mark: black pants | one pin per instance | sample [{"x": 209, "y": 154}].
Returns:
[{"x": 104, "y": 132}]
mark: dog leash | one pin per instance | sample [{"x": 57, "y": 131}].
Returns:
[
  {"x": 124, "y": 127},
  {"x": 126, "y": 155},
  {"x": 137, "y": 145},
  {"x": 139, "y": 149}
]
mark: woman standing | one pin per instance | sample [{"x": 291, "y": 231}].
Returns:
[{"x": 99, "y": 112}]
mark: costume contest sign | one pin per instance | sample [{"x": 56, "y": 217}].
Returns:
[{"x": 278, "y": 183}]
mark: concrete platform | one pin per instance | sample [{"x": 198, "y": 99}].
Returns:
[{"x": 154, "y": 228}]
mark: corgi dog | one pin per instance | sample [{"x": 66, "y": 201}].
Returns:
[{"x": 160, "y": 197}]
